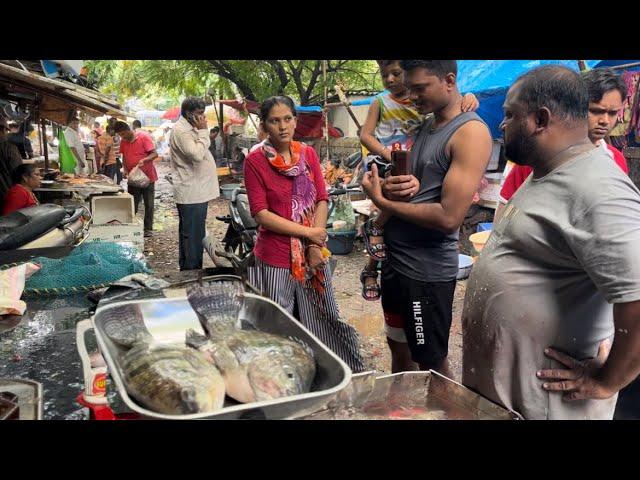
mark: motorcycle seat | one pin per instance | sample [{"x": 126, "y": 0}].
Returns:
[
  {"x": 22, "y": 226},
  {"x": 242, "y": 204}
]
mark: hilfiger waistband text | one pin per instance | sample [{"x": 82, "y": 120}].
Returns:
[{"x": 417, "y": 317}]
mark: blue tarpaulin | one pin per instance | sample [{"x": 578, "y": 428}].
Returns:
[{"x": 490, "y": 80}]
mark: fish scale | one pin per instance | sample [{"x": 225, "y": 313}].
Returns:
[{"x": 172, "y": 379}]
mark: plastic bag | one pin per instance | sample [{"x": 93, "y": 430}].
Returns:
[
  {"x": 137, "y": 178},
  {"x": 66, "y": 158},
  {"x": 343, "y": 210},
  {"x": 11, "y": 287}
]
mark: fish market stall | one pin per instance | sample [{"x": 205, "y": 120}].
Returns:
[
  {"x": 409, "y": 396},
  {"x": 165, "y": 316}
]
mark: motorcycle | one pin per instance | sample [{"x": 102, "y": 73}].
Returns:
[
  {"x": 46, "y": 230},
  {"x": 236, "y": 248}
]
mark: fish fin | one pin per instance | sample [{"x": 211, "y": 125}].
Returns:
[
  {"x": 194, "y": 339},
  {"x": 218, "y": 306}
]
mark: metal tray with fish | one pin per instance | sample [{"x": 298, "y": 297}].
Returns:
[
  {"x": 166, "y": 318},
  {"x": 409, "y": 396}
]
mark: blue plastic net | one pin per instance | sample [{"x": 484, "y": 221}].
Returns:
[{"x": 89, "y": 266}]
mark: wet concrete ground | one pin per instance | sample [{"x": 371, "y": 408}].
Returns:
[{"x": 42, "y": 347}]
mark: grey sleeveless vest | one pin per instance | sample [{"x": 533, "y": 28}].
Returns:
[{"x": 420, "y": 253}]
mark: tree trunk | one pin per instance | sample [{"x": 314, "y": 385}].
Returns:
[{"x": 224, "y": 70}]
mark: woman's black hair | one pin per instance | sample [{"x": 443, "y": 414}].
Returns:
[
  {"x": 271, "y": 102},
  {"x": 26, "y": 169}
]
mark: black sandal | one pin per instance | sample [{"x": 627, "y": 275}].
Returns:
[
  {"x": 366, "y": 273},
  {"x": 370, "y": 230}
]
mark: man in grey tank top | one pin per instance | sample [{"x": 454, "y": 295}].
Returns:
[{"x": 448, "y": 160}]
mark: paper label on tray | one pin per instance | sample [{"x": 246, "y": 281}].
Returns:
[{"x": 167, "y": 322}]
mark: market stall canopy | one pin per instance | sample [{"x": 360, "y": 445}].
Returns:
[
  {"x": 172, "y": 114},
  {"x": 54, "y": 99},
  {"x": 310, "y": 118}
]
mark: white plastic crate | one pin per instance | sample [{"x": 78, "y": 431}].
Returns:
[{"x": 106, "y": 208}]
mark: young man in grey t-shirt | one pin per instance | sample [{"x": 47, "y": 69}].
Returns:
[{"x": 537, "y": 319}]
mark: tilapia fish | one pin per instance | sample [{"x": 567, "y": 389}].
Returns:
[
  {"x": 124, "y": 325},
  {"x": 255, "y": 365},
  {"x": 172, "y": 379}
]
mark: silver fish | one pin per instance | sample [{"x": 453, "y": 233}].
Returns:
[
  {"x": 172, "y": 379},
  {"x": 255, "y": 365}
]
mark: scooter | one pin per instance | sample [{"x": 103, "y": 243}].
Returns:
[
  {"x": 46, "y": 230},
  {"x": 236, "y": 248}
]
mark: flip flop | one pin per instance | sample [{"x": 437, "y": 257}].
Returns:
[
  {"x": 370, "y": 230},
  {"x": 366, "y": 273}
]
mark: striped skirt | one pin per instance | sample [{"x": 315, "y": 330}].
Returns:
[{"x": 319, "y": 313}]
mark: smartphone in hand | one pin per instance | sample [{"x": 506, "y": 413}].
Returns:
[{"x": 400, "y": 162}]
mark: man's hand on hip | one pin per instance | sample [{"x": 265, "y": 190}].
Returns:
[{"x": 580, "y": 381}]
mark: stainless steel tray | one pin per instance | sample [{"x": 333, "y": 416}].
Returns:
[
  {"x": 409, "y": 396},
  {"x": 332, "y": 373},
  {"x": 29, "y": 396}
]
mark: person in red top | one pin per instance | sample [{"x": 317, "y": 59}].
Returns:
[
  {"x": 607, "y": 92},
  {"x": 288, "y": 199},
  {"x": 138, "y": 150},
  {"x": 25, "y": 178}
]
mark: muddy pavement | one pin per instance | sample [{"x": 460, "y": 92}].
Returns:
[{"x": 161, "y": 251}]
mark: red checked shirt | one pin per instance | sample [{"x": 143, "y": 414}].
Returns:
[{"x": 133, "y": 152}]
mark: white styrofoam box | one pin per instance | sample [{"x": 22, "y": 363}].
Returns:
[
  {"x": 106, "y": 208},
  {"x": 490, "y": 193},
  {"x": 128, "y": 232}
]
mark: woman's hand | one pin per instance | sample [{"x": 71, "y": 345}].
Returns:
[
  {"x": 470, "y": 103},
  {"x": 316, "y": 235},
  {"x": 315, "y": 260}
]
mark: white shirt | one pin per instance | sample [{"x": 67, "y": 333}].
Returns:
[
  {"x": 195, "y": 178},
  {"x": 73, "y": 140}
]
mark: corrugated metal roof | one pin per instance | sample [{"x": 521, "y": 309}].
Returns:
[{"x": 54, "y": 97}]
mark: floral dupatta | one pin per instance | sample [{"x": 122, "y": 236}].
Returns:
[{"x": 303, "y": 204}]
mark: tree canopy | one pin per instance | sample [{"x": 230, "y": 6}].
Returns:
[{"x": 166, "y": 81}]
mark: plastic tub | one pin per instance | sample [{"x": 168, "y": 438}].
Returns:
[
  {"x": 341, "y": 243},
  {"x": 465, "y": 262},
  {"x": 227, "y": 190}
]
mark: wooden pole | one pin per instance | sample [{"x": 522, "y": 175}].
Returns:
[
  {"x": 347, "y": 105},
  {"x": 582, "y": 65},
  {"x": 325, "y": 110},
  {"x": 221, "y": 127},
  {"x": 45, "y": 149}
]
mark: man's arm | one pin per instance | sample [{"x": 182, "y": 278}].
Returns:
[
  {"x": 149, "y": 158},
  {"x": 196, "y": 150},
  {"x": 77, "y": 155},
  {"x": 470, "y": 150}
]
